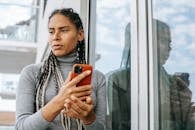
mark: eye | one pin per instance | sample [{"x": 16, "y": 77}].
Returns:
[
  {"x": 51, "y": 31},
  {"x": 64, "y": 30}
]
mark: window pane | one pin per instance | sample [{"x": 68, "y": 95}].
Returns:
[
  {"x": 18, "y": 20},
  {"x": 8, "y": 83},
  {"x": 174, "y": 26},
  {"x": 18, "y": 23},
  {"x": 113, "y": 59}
]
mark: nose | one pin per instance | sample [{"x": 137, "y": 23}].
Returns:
[{"x": 56, "y": 35}]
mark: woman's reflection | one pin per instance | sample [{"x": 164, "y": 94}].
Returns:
[
  {"x": 118, "y": 90},
  {"x": 174, "y": 93}
]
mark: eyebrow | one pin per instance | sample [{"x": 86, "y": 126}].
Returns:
[{"x": 60, "y": 27}]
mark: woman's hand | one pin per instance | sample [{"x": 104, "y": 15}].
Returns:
[
  {"x": 83, "y": 110},
  {"x": 69, "y": 88}
]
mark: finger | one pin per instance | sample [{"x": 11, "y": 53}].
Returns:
[
  {"x": 65, "y": 110},
  {"x": 78, "y": 110},
  {"x": 67, "y": 103},
  {"x": 76, "y": 90},
  {"x": 83, "y": 98},
  {"x": 72, "y": 113},
  {"x": 83, "y": 88},
  {"x": 78, "y": 78},
  {"x": 82, "y": 94},
  {"x": 89, "y": 100},
  {"x": 79, "y": 104}
]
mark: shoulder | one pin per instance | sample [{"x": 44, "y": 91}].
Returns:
[
  {"x": 98, "y": 78},
  {"x": 31, "y": 70},
  {"x": 98, "y": 75},
  {"x": 119, "y": 73}
]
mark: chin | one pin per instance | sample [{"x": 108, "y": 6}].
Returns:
[{"x": 58, "y": 54}]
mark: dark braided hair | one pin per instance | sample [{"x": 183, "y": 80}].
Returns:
[
  {"x": 73, "y": 16},
  {"x": 49, "y": 66}
]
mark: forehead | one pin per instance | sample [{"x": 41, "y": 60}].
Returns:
[{"x": 59, "y": 20}]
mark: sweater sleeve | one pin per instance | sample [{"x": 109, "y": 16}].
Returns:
[
  {"x": 100, "y": 108},
  {"x": 26, "y": 117}
]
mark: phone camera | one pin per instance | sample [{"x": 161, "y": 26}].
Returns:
[{"x": 78, "y": 69}]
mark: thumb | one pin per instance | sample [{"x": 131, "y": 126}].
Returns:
[{"x": 89, "y": 100}]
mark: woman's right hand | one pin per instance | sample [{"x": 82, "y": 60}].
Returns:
[
  {"x": 56, "y": 105},
  {"x": 69, "y": 88}
]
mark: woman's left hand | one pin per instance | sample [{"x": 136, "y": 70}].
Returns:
[{"x": 83, "y": 110}]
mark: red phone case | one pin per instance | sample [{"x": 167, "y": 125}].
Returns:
[{"x": 84, "y": 67}]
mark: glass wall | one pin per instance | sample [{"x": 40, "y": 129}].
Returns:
[
  {"x": 19, "y": 20},
  {"x": 113, "y": 59},
  {"x": 8, "y": 83},
  {"x": 174, "y": 24}
]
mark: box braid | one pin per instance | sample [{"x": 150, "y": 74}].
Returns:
[
  {"x": 50, "y": 66},
  {"x": 80, "y": 53}
]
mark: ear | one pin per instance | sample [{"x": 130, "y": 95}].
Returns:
[{"x": 81, "y": 35}]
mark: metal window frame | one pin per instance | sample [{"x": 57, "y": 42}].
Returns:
[
  {"x": 85, "y": 16},
  {"x": 144, "y": 91},
  {"x": 153, "y": 71},
  {"x": 139, "y": 70},
  {"x": 92, "y": 32}
]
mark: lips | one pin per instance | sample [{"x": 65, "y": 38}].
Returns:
[{"x": 56, "y": 47}]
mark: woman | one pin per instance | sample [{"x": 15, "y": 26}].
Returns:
[{"x": 47, "y": 98}]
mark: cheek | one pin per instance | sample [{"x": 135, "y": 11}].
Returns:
[
  {"x": 49, "y": 39},
  {"x": 71, "y": 46},
  {"x": 71, "y": 41}
]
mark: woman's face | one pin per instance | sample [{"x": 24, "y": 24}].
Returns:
[
  {"x": 63, "y": 35},
  {"x": 164, "y": 41}
]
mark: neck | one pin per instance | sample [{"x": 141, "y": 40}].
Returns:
[{"x": 69, "y": 58}]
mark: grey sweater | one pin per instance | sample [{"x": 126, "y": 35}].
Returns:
[{"x": 26, "y": 116}]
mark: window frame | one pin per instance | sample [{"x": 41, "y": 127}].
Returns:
[{"x": 144, "y": 97}]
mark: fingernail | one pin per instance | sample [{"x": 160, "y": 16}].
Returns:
[
  {"x": 65, "y": 105},
  {"x": 73, "y": 97},
  {"x": 67, "y": 100},
  {"x": 88, "y": 71}
]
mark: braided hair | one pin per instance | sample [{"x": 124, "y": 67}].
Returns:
[{"x": 50, "y": 66}]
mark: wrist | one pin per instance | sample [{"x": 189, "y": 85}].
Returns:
[
  {"x": 58, "y": 102},
  {"x": 52, "y": 109}
]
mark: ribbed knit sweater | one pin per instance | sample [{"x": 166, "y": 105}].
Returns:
[{"x": 26, "y": 116}]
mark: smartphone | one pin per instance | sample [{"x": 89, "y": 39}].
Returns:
[{"x": 78, "y": 69}]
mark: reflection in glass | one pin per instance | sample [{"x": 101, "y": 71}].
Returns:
[
  {"x": 118, "y": 88},
  {"x": 181, "y": 105},
  {"x": 18, "y": 21},
  {"x": 8, "y": 83},
  {"x": 113, "y": 59},
  {"x": 175, "y": 61},
  {"x": 163, "y": 43},
  {"x": 175, "y": 96}
]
